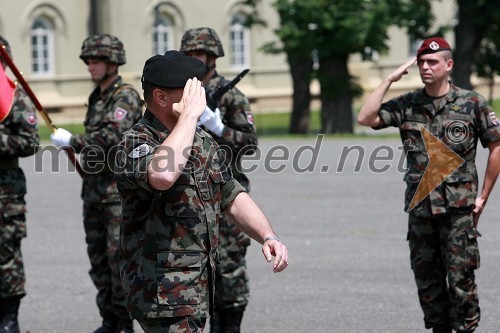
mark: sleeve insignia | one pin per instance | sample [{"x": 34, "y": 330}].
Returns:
[
  {"x": 494, "y": 119},
  {"x": 249, "y": 117},
  {"x": 31, "y": 118},
  {"x": 119, "y": 113},
  {"x": 140, "y": 151}
]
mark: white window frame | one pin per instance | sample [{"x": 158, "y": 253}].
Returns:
[
  {"x": 414, "y": 45},
  {"x": 239, "y": 43},
  {"x": 42, "y": 47},
  {"x": 162, "y": 34}
]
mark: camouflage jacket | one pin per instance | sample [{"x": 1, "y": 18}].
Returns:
[
  {"x": 109, "y": 114},
  {"x": 19, "y": 138},
  {"x": 459, "y": 120},
  {"x": 239, "y": 136},
  {"x": 169, "y": 238}
]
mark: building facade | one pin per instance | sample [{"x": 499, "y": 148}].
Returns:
[{"x": 46, "y": 37}]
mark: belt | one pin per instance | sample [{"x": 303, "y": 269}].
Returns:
[{"x": 9, "y": 163}]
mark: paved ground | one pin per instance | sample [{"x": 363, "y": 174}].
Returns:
[{"x": 346, "y": 232}]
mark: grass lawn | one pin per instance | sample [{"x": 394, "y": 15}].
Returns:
[{"x": 268, "y": 124}]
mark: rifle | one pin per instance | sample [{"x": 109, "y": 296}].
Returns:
[
  {"x": 213, "y": 97},
  {"x": 69, "y": 151}
]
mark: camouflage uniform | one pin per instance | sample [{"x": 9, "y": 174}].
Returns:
[
  {"x": 169, "y": 238},
  {"x": 110, "y": 113},
  {"x": 238, "y": 138},
  {"x": 19, "y": 138},
  {"x": 442, "y": 238}
]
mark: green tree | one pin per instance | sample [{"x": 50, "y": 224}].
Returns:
[
  {"x": 487, "y": 59},
  {"x": 333, "y": 31},
  {"x": 296, "y": 42},
  {"x": 476, "y": 21}
]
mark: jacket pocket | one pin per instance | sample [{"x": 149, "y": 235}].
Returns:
[
  {"x": 460, "y": 190},
  {"x": 458, "y": 135},
  {"x": 13, "y": 220},
  {"x": 178, "y": 276},
  {"x": 472, "y": 249}
]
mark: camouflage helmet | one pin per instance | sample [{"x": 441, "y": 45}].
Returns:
[
  {"x": 7, "y": 46},
  {"x": 104, "y": 47},
  {"x": 205, "y": 39}
]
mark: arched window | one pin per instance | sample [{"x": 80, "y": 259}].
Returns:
[
  {"x": 163, "y": 39},
  {"x": 42, "y": 47},
  {"x": 239, "y": 42}
]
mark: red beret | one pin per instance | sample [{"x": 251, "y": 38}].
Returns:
[{"x": 432, "y": 45}]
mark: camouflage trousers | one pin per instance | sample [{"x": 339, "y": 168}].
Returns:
[
  {"x": 101, "y": 222},
  {"x": 231, "y": 276},
  {"x": 191, "y": 324},
  {"x": 12, "y": 230},
  {"x": 444, "y": 254}
]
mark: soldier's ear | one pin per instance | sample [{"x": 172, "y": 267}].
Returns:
[
  {"x": 449, "y": 64},
  {"x": 160, "y": 97}
]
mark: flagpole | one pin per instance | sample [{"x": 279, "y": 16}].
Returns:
[{"x": 44, "y": 114}]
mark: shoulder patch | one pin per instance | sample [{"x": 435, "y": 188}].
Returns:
[
  {"x": 31, "y": 118},
  {"x": 494, "y": 119},
  {"x": 140, "y": 151},
  {"x": 119, "y": 113},
  {"x": 249, "y": 117}
]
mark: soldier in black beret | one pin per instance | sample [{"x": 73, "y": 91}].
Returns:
[
  {"x": 440, "y": 125},
  {"x": 174, "y": 185}
]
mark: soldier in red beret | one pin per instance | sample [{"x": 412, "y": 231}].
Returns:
[{"x": 443, "y": 218}]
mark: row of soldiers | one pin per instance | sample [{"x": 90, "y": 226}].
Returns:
[{"x": 113, "y": 108}]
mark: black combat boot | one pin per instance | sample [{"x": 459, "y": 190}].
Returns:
[
  {"x": 10, "y": 309},
  {"x": 108, "y": 326},
  {"x": 215, "y": 322},
  {"x": 125, "y": 326},
  {"x": 442, "y": 329},
  {"x": 231, "y": 321}
]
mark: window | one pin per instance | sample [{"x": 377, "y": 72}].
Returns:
[
  {"x": 414, "y": 46},
  {"x": 42, "y": 47},
  {"x": 239, "y": 42},
  {"x": 162, "y": 34}
]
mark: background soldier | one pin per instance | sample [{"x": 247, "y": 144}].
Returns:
[
  {"x": 442, "y": 231},
  {"x": 114, "y": 107},
  {"x": 19, "y": 138},
  {"x": 174, "y": 185},
  {"x": 231, "y": 125}
]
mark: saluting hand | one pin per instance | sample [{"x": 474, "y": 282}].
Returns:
[
  {"x": 401, "y": 70},
  {"x": 193, "y": 100}
]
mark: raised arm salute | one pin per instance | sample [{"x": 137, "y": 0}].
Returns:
[
  {"x": 174, "y": 185},
  {"x": 440, "y": 123}
]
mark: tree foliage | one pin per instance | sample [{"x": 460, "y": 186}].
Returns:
[
  {"x": 331, "y": 31},
  {"x": 487, "y": 58},
  {"x": 475, "y": 30}
]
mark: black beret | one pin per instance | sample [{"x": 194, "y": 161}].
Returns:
[{"x": 172, "y": 69}]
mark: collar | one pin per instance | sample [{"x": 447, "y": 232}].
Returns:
[
  {"x": 150, "y": 120},
  {"x": 420, "y": 97}
]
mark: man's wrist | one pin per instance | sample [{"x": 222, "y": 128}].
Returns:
[{"x": 271, "y": 238}]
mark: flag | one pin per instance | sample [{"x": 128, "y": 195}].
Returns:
[{"x": 7, "y": 89}]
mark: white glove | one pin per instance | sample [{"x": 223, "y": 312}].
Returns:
[
  {"x": 60, "y": 137},
  {"x": 212, "y": 121}
]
